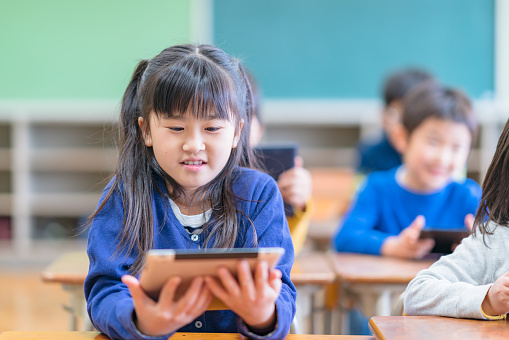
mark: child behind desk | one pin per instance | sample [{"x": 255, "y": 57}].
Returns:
[
  {"x": 380, "y": 154},
  {"x": 393, "y": 206},
  {"x": 473, "y": 282},
  {"x": 295, "y": 184},
  {"x": 178, "y": 185}
]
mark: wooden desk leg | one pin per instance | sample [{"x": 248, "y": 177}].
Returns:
[
  {"x": 77, "y": 308},
  {"x": 307, "y": 307},
  {"x": 313, "y": 313},
  {"x": 385, "y": 297},
  {"x": 377, "y": 300},
  {"x": 383, "y": 305},
  {"x": 303, "y": 308},
  {"x": 86, "y": 324},
  {"x": 319, "y": 312},
  {"x": 339, "y": 315},
  {"x": 75, "y": 304}
]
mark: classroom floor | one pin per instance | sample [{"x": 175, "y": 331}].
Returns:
[{"x": 28, "y": 304}]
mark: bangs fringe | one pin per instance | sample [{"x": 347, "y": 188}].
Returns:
[{"x": 194, "y": 87}]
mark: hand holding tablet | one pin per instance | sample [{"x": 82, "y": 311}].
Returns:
[
  {"x": 445, "y": 238},
  {"x": 162, "y": 264}
]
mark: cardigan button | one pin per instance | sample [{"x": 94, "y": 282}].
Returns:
[{"x": 198, "y": 324}]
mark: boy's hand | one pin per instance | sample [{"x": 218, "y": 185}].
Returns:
[
  {"x": 167, "y": 315},
  {"x": 407, "y": 244},
  {"x": 295, "y": 185},
  {"x": 496, "y": 301},
  {"x": 253, "y": 297}
]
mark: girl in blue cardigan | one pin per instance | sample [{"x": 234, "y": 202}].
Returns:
[{"x": 179, "y": 184}]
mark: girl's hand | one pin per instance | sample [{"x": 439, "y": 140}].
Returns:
[
  {"x": 251, "y": 298},
  {"x": 496, "y": 301},
  {"x": 166, "y": 315},
  {"x": 407, "y": 244},
  {"x": 295, "y": 185}
]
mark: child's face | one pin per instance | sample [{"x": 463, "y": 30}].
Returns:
[
  {"x": 190, "y": 150},
  {"x": 434, "y": 151},
  {"x": 256, "y": 133}
]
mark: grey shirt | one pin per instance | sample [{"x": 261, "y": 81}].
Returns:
[{"x": 456, "y": 285}]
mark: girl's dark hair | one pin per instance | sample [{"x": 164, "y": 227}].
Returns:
[
  {"x": 494, "y": 204},
  {"x": 431, "y": 99},
  {"x": 198, "y": 79}
]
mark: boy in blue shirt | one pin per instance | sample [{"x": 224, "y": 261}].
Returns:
[
  {"x": 376, "y": 154},
  {"x": 392, "y": 207}
]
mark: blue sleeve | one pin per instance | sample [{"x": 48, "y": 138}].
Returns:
[
  {"x": 356, "y": 232},
  {"x": 109, "y": 303},
  {"x": 272, "y": 230}
]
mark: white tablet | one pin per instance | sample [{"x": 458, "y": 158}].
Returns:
[{"x": 162, "y": 264}]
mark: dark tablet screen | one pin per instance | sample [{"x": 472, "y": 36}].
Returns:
[
  {"x": 444, "y": 238},
  {"x": 276, "y": 159}
]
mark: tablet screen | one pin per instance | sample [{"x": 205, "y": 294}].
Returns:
[
  {"x": 444, "y": 238},
  {"x": 277, "y": 159}
]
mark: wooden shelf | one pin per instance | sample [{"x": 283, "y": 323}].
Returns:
[
  {"x": 74, "y": 159},
  {"x": 63, "y": 204},
  {"x": 330, "y": 157},
  {"x": 5, "y": 159},
  {"x": 5, "y": 204},
  {"x": 41, "y": 252}
]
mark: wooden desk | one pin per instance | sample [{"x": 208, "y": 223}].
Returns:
[
  {"x": 311, "y": 273},
  {"x": 70, "y": 270},
  {"x": 436, "y": 328},
  {"x": 372, "y": 282},
  {"x": 333, "y": 189},
  {"x": 176, "y": 336},
  {"x": 312, "y": 269}
]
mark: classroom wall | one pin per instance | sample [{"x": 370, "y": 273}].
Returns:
[
  {"x": 328, "y": 49},
  {"x": 344, "y": 48},
  {"x": 54, "y": 49}
]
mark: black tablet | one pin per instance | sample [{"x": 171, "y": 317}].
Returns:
[
  {"x": 276, "y": 159},
  {"x": 162, "y": 264},
  {"x": 444, "y": 238}
]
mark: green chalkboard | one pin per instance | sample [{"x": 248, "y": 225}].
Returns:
[
  {"x": 344, "y": 48},
  {"x": 53, "y": 49}
]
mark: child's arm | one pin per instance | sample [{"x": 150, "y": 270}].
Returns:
[
  {"x": 295, "y": 185},
  {"x": 456, "y": 285},
  {"x": 264, "y": 210},
  {"x": 113, "y": 308},
  {"x": 357, "y": 232},
  {"x": 253, "y": 298},
  {"x": 407, "y": 244},
  {"x": 496, "y": 302}
]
